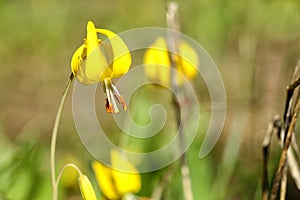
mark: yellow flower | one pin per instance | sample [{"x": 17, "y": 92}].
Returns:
[
  {"x": 115, "y": 184},
  {"x": 157, "y": 60},
  {"x": 86, "y": 188},
  {"x": 96, "y": 60}
]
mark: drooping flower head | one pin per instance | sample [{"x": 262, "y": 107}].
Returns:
[
  {"x": 86, "y": 188},
  {"x": 114, "y": 183},
  {"x": 158, "y": 63},
  {"x": 102, "y": 60}
]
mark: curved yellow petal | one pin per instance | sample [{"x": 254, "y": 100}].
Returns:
[
  {"x": 121, "y": 61},
  {"x": 157, "y": 61},
  {"x": 77, "y": 58},
  {"x": 93, "y": 67},
  {"x": 188, "y": 61},
  {"x": 91, "y": 37},
  {"x": 127, "y": 181},
  {"x": 89, "y": 62},
  {"x": 86, "y": 188},
  {"x": 96, "y": 63},
  {"x": 105, "y": 180}
]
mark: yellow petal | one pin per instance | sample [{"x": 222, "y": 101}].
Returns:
[
  {"x": 93, "y": 67},
  {"x": 151, "y": 68},
  {"x": 86, "y": 188},
  {"x": 105, "y": 180},
  {"x": 188, "y": 61},
  {"x": 127, "y": 181},
  {"x": 121, "y": 61},
  {"x": 77, "y": 58},
  {"x": 157, "y": 61},
  {"x": 91, "y": 37},
  {"x": 96, "y": 62},
  {"x": 89, "y": 62}
]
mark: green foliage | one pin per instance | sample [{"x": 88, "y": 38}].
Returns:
[{"x": 23, "y": 171}]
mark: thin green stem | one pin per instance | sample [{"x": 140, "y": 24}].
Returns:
[
  {"x": 54, "y": 138},
  {"x": 64, "y": 167}
]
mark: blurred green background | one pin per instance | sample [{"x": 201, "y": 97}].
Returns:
[{"x": 255, "y": 44}]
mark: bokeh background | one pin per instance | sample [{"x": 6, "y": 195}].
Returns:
[{"x": 255, "y": 44}]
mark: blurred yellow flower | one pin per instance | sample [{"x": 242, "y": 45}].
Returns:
[
  {"x": 116, "y": 184},
  {"x": 96, "y": 60},
  {"x": 157, "y": 62},
  {"x": 86, "y": 188}
]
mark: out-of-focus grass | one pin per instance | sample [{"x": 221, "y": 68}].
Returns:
[{"x": 255, "y": 44}]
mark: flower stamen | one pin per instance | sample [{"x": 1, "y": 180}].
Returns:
[
  {"x": 119, "y": 97},
  {"x": 112, "y": 95}
]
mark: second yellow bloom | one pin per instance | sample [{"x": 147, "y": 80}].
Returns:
[{"x": 114, "y": 183}]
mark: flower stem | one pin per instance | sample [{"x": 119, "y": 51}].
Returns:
[
  {"x": 172, "y": 18},
  {"x": 54, "y": 183},
  {"x": 68, "y": 165}
]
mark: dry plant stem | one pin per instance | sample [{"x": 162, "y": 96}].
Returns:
[
  {"x": 283, "y": 157},
  {"x": 165, "y": 181},
  {"x": 54, "y": 138},
  {"x": 172, "y": 18},
  {"x": 274, "y": 127},
  {"x": 283, "y": 132},
  {"x": 288, "y": 106},
  {"x": 186, "y": 181},
  {"x": 283, "y": 183}
]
